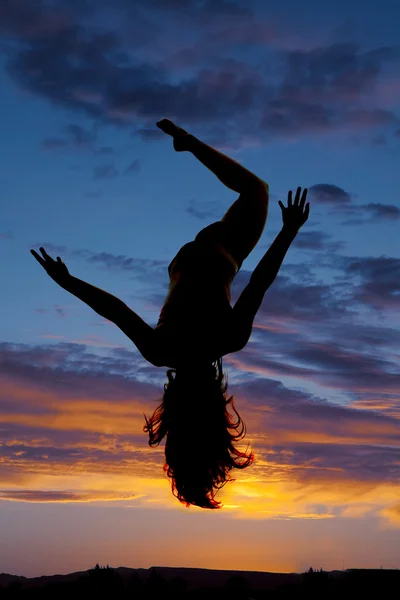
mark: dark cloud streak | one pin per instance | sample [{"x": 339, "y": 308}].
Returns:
[{"x": 93, "y": 72}]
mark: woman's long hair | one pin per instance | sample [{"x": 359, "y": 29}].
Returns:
[{"x": 200, "y": 433}]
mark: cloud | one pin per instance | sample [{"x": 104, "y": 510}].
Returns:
[
  {"x": 132, "y": 75},
  {"x": 328, "y": 194},
  {"x": 327, "y": 365},
  {"x": 338, "y": 199},
  {"x": 51, "y": 248},
  {"x": 304, "y": 302},
  {"x": 81, "y": 136},
  {"x": 377, "y": 210},
  {"x": 134, "y": 167},
  {"x": 59, "y": 311},
  {"x": 379, "y": 140},
  {"x": 6, "y": 235},
  {"x": 316, "y": 240},
  {"x": 76, "y": 137},
  {"x": 365, "y": 214},
  {"x": 204, "y": 210},
  {"x": 31, "y": 20},
  {"x": 149, "y": 135},
  {"x": 380, "y": 281},
  {"x": 69, "y": 411},
  {"x": 138, "y": 266},
  {"x": 105, "y": 150},
  {"x": 105, "y": 172},
  {"x": 44, "y": 496},
  {"x": 152, "y": 272}
]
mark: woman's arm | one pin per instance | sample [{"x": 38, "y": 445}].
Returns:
[
  {"x": 112, "y": 308},
  {"x": 104, "y": 304},
  {"x": 249, "y": 301}
]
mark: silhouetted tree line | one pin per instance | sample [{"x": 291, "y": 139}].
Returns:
[{"x": 105, "y": 582}]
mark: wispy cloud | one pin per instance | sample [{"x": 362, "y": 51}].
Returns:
[
  {"x": 331, "y": 88},
  {"x": 68, "y": 411},
  {"x": 379, "y": 286},
  {"x": 107, "y": 171},
  {"x": 317, "y": 240},
  {"x": 327, "y": 193},
  {"x": 59, "y": 311},
  {"x": 74, "y": 137},
  {"x": 134, "y": 167},
  {"x": 342, "y": 202},
  {"x": 138, "y": 268},
  {"x": 204, "y": 210},
  {"x": 377, "y": 210},
  {"x": 8, "y": 235},
  {"x": 54, "y": 496}
]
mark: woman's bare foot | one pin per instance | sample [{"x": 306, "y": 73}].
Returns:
[{"x": 179, "y": 135}]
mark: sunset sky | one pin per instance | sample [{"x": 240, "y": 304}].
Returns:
[{"x": 303, "y": 94}]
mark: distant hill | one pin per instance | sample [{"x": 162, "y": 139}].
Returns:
[{"x": 196, "y": 578}]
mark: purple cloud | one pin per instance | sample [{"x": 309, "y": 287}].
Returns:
[
  {"x": 355, "y": 443},
  {"x": 58, "y": 310},
  {"x": 149, "y": 135},
  {"x": 51, "y": 496},
  {"x": 380, "y": 281},
  {"x": 7, "y": 235},
  {"x": 139, "y": 267},
  {"x": 340, "y": 200},
  {"x": 119, "y": 79},
  {"x": 31, "y": 20},
  {"x": 329, "y": 194},
  {"x": 77, "y": 137},
  {"x": 377, "y": 210},
  {"x": 105, "y": 150},
  {"x": 316, "y": 240},
  {"x": 80, "y": 136}
]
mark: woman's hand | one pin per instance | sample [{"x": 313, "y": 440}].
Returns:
[
  {"x": 55, "y": 268},
  {"x": 295, "y": 214}
]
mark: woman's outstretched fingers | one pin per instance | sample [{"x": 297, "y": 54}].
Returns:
[
  {"x": 46, "y": 256},
  {"x": 303, "y": 198},
  {"x": 55, "y": 268},
  {"x": 295, "y": 214},
  {"x": 38, "y": 258}
]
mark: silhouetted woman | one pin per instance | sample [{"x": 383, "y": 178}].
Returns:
[{"x": 198, "y": 326}]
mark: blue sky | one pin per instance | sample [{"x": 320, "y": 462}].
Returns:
[{"x": 302, "y": 94}]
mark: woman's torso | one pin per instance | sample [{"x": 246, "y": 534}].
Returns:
[{"x": 196, "y": 318}]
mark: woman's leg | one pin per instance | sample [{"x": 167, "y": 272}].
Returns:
[{"x": 245, "y": 220}]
